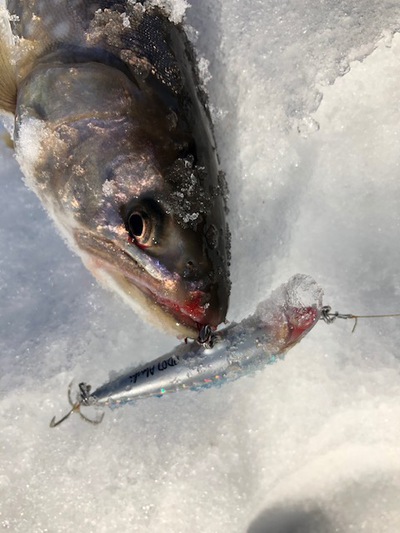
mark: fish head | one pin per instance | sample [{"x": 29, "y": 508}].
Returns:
[
  {"x": 159, "y": 239},
  {"x": 146, "y": 217}
]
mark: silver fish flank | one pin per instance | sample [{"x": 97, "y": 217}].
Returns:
[{"x": 113, "y": 134}]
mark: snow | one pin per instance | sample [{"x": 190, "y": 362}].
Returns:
[
  {"x": 175, "y": 8},
  {"x": 309, "y": 137},
  {"x": 32, "y": 135}
]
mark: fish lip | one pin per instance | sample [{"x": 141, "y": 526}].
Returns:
[{"x": 159, "y": 285}]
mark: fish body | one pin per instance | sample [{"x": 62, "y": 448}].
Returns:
[
  {"x": 240, "y": 349},
  {"x": 113, "y": 134}
]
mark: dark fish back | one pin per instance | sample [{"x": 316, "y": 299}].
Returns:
[{"x": 154, "y": 52}]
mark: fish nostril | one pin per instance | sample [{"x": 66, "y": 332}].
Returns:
[{"x": 190, "y": 271}]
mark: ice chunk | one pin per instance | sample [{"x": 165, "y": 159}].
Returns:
[
  {"x": 300, "y": 292},
  {"x": 175, "y": 9}
]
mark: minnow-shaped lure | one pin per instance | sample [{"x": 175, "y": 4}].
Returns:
[{"x": 240, "y": 349}]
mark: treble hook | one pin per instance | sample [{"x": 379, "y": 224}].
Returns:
[
  {"x": 76, "y": 407},
  {"x": 206, "y": 336}
]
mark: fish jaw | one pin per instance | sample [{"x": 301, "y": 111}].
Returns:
[{"x": 181, "y": 307}]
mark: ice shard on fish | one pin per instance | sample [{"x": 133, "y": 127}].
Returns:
[{"x": 113, "y": 134}]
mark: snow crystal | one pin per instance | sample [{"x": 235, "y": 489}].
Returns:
[
  {"x": 175, "y": 8},
  {"x": 204, "y": 71},
  {"x": 32, "y": 134},
  {"x": 125, "y": 20}
]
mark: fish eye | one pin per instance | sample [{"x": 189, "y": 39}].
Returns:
[
  {"x": 143, "y": 222},
  {"x": 139, "y": 226}
]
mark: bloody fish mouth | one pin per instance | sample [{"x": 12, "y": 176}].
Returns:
[
  {"x": 189, "y": 306},
  {"x": 192, "y": 308},
  {"x": 177, "y": 304},
  {"x": 191, "y": 311}
]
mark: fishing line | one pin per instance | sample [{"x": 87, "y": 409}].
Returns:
[{"x": 329, "y": 317}]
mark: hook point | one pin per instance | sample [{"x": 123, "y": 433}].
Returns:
[{"x": 76, "y": 407}]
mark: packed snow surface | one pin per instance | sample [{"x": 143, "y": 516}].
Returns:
[{"x": 305, "y": 98}]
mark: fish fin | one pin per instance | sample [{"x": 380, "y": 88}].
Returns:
[{"x": 8, "y": 80}]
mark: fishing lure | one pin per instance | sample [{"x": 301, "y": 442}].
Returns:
[{"x": 240, "y": 349}]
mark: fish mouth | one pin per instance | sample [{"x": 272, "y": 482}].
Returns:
[{"x": 179, "y": 306}]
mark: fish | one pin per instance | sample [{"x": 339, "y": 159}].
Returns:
[
  {"x": 112, "y": 131},
  {"x": 241, "y": 349}
]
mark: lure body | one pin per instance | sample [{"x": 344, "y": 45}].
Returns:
[
  {"x": 113, "y": 133},
  {"x": 240, "y": 349}
]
